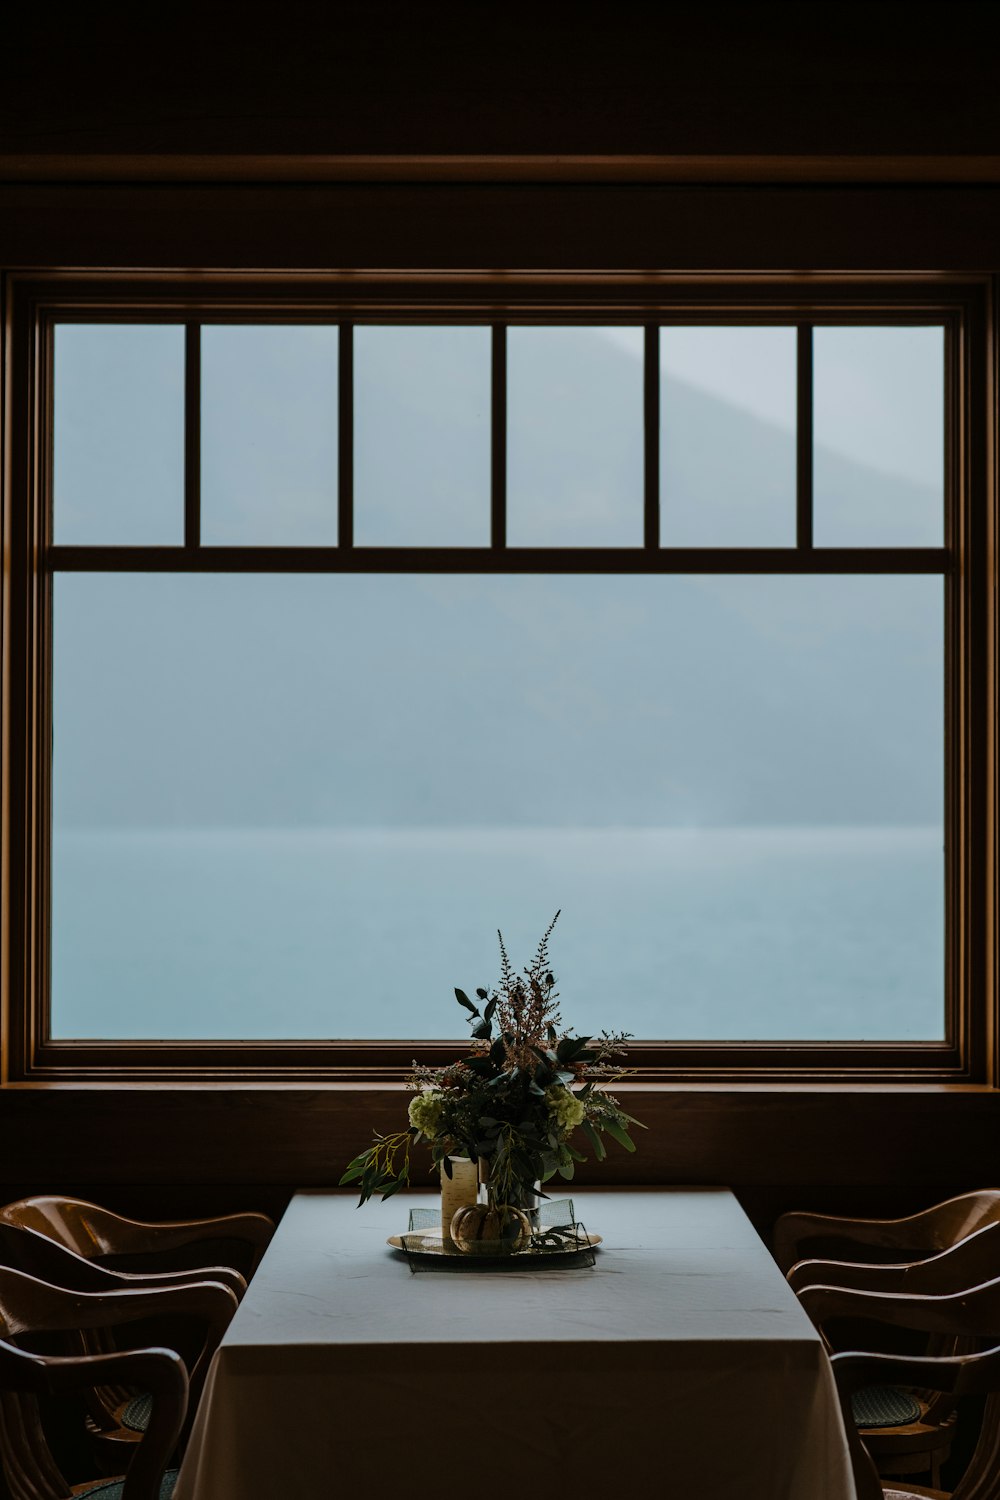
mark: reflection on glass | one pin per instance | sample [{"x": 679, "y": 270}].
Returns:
[
  {"x": 878, "y": 478},
  {"x": 269, "y": 436},
  {"x": 118, "y": 459},
  {"x": 574, "y": 437},
  {"x": 300, "y": 806},
  {"x": 421, "y": 437},
  {"x": 727, "y": 437}
]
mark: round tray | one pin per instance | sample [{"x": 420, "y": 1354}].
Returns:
[{"x": 428, "y": 1244}]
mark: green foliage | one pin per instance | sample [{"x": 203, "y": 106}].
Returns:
[{"x": 508, "y": 1101}]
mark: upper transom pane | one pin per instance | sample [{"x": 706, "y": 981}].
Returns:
[
  {"x": 421, "y": 436},
  {"x": 269, "y": 435},
  {"x": 878, "y": 431},
  {"x": 727, "y": 436},
  {"x": 575, "y": 437},
  {"x": 118, "y": 447}
]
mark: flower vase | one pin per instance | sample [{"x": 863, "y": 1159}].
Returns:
[
  {"x": 526, "y": 1196},
  {"x": 457, "y": 1191}
]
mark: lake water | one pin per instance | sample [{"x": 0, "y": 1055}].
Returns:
[{"x": 751, "y": 934}]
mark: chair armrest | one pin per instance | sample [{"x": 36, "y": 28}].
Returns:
[
  {"x": 35, "y": 1254},
  {"x": 847, "y": 1273},
  {"x": 57, "y": 1310},
  {"x": 853, "y": 1370},
  {"x": 138, "y": 1280},
  {"x": 974, "y": 1313},
  {"x": 793, "y": 1229}
]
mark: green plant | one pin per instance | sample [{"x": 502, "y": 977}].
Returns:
[{"x": 516, "y": 1100}]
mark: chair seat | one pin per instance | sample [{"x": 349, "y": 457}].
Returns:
[
  {"x": 135, "y": 1414},
  {"x": 111, "y": 1489},
  {"x": 883, "y": 1406},
  {"x": 919, "y": 1493}
]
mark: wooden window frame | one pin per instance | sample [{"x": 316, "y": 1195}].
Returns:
[{"x": 36, "y": 301}]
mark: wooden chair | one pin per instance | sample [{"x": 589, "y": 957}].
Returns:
[
  {"x": 116, "y": 1414},
  {"x": 972, "y": 1314},
  {"x": 955, "y": 1376},
  {"x": 29, "y": 1307},
  {"x": 912, "y": 1238},
  {"x": 96, "y": 1233}
]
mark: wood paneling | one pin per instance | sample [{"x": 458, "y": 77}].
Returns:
[
  {"x": 754, "y": 1138},
  {"x": 442, "y": 226}
]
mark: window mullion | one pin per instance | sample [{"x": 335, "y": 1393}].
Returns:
[
  {"x": 345, "y": 437},
  {"x": 498, "y": 438},
  {"x": 651, "y": 437},
  {"x": 804, "y": 438},
  {"x": 192, "y": 435}
]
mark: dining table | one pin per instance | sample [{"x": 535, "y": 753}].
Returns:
[{"x": 679, "y": 1363}]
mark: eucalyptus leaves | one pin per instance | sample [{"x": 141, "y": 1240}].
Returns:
[{"x": 516, "y": 1100}]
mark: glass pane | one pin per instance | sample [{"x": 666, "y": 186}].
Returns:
[
  {"x": 878, "y": 478},
  {"x": 269, "y": 436},
  {"x": 422, "y": 437},
  {"x": 727, "y": 437},
  {"x": 301, "y": 806},
  {"x": 574, "y": 437},
  {"x": 118, "y": 459}
]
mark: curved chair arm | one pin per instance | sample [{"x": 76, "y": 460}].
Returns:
[
  {"x": 159, "y": 1371},
  {"x": 973, "y": 1261},
  {"x": 92, "y": 1231},
  {"x": 932, "y": 1229},
  {"x": 846, "y": 1273},
  {"x": 56, "y": 1309},
  {"x": 974, "y": 1313},
  {"x": 30, "y": 1305},
  {"x": 37, "y": 1255}
]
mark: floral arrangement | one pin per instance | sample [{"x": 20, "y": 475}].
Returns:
[{"x": 515, "y": 1101}]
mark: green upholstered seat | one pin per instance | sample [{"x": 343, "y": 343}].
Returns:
[
  {"x": 137, "y": 1413},
  {"x": 884, "y": 1406},
  {"x": 111, "y": 1489}
]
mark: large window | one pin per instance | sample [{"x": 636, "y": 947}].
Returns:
[{"x": 358, "y": 631}]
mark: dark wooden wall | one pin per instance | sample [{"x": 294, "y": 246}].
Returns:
[{"x": 744, "y": 143}]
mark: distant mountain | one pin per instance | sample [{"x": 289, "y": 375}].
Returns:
[{"x": 350, "y": 700}]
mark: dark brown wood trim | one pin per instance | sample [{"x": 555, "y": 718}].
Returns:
[
  {"x": 457, "y": 167},
  {"x": 211, "y": 559}
]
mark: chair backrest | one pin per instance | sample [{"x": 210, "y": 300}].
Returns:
[
  {"x": 958, "y": 1375},
  {"x": 85, "y": 1228},
  {"x": 96, "y": 1233},
  {"x": 959, "y": 1217},
  {"x": 37, "y": 1255}
]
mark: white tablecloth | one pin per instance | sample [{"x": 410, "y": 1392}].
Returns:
[{"x": 680, "y": 1366}]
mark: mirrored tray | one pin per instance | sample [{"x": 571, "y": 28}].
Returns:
[{"x": 559, "y": 1241}]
